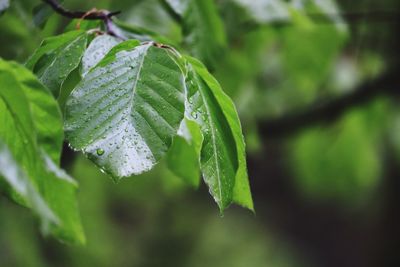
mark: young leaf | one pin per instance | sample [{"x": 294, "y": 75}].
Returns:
[
  {"x": 57, "y": 57},
  {"x": 184, "y": 155},
  {"x": 126, "y": 110},
  {"x": 241, "y": 190},
  {"x": 18, "y": 133}
]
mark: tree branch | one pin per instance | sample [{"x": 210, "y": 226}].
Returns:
[
  {"x": 388, "y": 84},
  {"x": 86, "y": 15}
]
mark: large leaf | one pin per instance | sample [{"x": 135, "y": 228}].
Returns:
[
  {"x": 57, "y": 57},
  {"x": 241, "y": 190},
  {"x": 126, "y": 110},
  {"x": 19, "y": 135}
]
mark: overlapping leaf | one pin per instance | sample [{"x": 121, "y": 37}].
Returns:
[
  {"x": 241, "y": 190},
  {"x": 222, "y": 156},
  {"x": 127, "y": 109},
  {"x": 22, "y": 99},
  {"x": 57, "y": 57}
]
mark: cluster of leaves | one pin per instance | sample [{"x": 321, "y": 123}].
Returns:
[{"x": 124, "y": 103}]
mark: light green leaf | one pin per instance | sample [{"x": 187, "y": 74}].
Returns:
[
  {"x": 125, "y": 112},
  {"x": 18, "y": 133},
  {"x": 44, "y": 109},
  {"x": 204, "y": 31},
  {"x": 241, "y": 189},
  {"x": 97, "y": 49},
  {"x": 57, "y": 57},
  {"x": 184, "y": 155},
  {"x": 21, "y": 184}
]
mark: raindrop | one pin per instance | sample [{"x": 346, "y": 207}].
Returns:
[{"x": 100, "y": 152}]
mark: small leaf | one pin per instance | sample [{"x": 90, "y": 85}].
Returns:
[
  {"x": 241, "y": 191},
  {"x": 57, "y": 57},
  {"x": 184, "y": 155},
  {"x": 223, "y": 161},
  {"x": 218, "y": 155},
  {"x": 97, "y": 49},
  {"x": 129, "y": 107}
]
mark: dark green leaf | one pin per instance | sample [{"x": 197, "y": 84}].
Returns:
[
  {"x": 57, "y": 57},
  {"x": 231, "y": 123},
  {"x": 126, "y": 110}
]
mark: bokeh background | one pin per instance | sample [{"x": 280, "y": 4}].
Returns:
[{"x": 323, "y": 147}]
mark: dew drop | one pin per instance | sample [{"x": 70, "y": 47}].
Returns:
[{"x": 100, "y": 152}]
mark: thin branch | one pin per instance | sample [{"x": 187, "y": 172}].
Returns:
[
  {"x": 320, "y": 113},
  {"x": 86, "y": 15}
]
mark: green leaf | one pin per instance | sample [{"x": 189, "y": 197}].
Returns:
[
  {"x": 21, "y": 184},
  {"x": 204, "y": 31},
  {"x": 218, "y": 158},
  {"x": 184, "y": 155},
  {"x": 97, "y": 49},
  {"x": 19, "y": 134},
  {"x": 241, "y": 190},
  {"x": 57, "y": 57},
  {"x": 125, "y": 112},
  {"x": 44, "y": 109}
]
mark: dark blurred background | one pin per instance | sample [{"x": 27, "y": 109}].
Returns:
[{"x": 316, "y": 86}]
